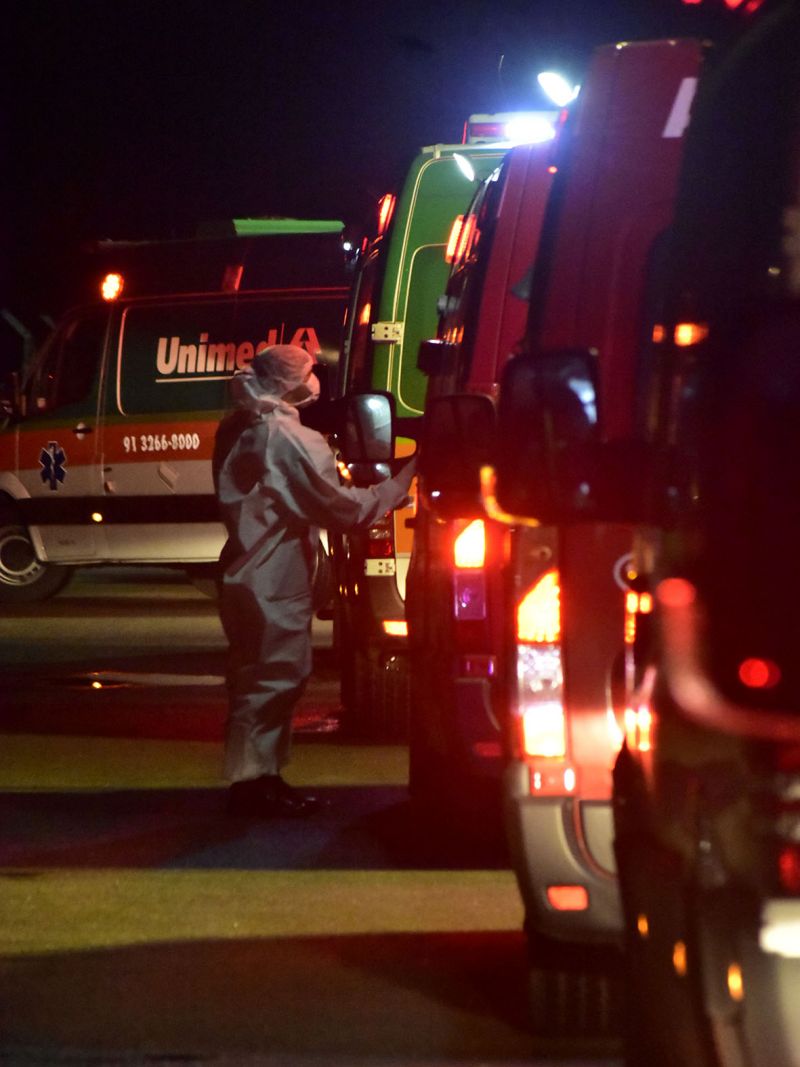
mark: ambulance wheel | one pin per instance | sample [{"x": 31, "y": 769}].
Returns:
[
  {"x": 574, "y": 990},
  {"x": 23, "y": 578}
]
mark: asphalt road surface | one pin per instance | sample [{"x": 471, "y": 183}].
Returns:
[{"x": 139, "y": 925}]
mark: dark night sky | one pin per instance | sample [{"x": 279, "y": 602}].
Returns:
[{"x": 140, "y": 119}]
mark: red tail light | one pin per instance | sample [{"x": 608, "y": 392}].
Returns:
[
  {"x": 469, "y": 559},
  {"x": 469, "y": 547},
  {"x": 539, "y": 611},
  {"x": 380, "y": 539},
  {"x": 789, "y": 868},
  {"x": 540, "y": 705}
]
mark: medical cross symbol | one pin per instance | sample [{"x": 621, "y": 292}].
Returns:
[{"x": 53, "y": 459}]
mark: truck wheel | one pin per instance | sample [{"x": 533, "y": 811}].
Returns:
[
  {"x": 574, "y": 990},
  {"x": 374, "y": 692},
  {"x": 23, "y": 578}
]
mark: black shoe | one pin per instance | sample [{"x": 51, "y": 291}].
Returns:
[{"x": 269, "y": 797}]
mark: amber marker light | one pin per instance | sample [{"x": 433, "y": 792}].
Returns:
[
  {"x": 385, "y": 211},
  {"x": 452, "y": 240},
  {"x": 690, "y": 333},
  {"x": 679, "y": 958},
  {"x": 111, "y": 286},
  {"x": 568, "y": 897},
  {"x": 735, "y": 982},
  {"x": 466, "y": 237}
]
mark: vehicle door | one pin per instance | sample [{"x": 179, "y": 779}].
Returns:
[{"x": 57, "y": 453}]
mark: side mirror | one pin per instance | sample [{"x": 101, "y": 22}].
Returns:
[
  {"x": 552, "y": 463},
  {"x": 366, "y": 435},
  {"x": 458, "y": 439}
]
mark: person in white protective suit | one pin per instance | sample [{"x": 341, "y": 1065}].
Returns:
[{"x": 277, "y": 485}]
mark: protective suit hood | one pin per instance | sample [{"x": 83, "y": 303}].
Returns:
[{"x": 279, "y": 377}]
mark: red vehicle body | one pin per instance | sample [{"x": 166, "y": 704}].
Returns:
[
  {"x": 454, "y": 589},
  {"x": 612, "y": 201},
  {"x": 706, "y": 788}
]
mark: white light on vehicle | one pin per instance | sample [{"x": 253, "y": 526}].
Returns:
[
  {"x": 780, "y": 928},
  {"x": 557, "y": 88},
  {"x": 464, "y": 166},
  {"x": 533, "y": 129}
]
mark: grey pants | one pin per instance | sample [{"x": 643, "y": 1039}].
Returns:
[{"x": 268, "y": 666}]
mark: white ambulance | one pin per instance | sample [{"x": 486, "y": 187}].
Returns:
[{"x": 105, "y": 449}]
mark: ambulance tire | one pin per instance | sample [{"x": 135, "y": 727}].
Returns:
[
  {"x": 23, "y": 578},
  {"x": 574, "y": 990}
]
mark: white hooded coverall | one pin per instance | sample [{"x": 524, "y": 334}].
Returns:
[{"x": 277, "y": 485}]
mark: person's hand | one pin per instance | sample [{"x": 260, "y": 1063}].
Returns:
[{"x": 406, "y": 473}]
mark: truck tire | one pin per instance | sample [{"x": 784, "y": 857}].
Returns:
[
  {"x": 574, "y": 990},
  {"x": 374, "y": 689},
  {"x": 23, "y": 578}
]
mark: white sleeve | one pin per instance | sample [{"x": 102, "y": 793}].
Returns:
[{"x": 301, "y": 473}]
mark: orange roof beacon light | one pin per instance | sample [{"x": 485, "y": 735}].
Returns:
[{"x": 111, "y": 286}]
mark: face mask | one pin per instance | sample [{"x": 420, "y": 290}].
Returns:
[{"x": 304, "y": 394}]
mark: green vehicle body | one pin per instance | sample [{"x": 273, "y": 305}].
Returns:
[
  {"x": 395, "y": 304},
  {"x": 415, "y": 275}
]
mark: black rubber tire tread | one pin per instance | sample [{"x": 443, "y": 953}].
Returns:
[
  {"x": 574, "y": 990},
  {"x": 375, "y": 695}
]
